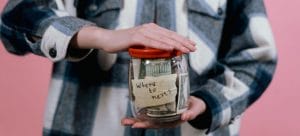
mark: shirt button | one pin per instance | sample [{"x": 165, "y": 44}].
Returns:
[
  {"x": 220, "y": 11},
  {"x": 52, "y": 52}
]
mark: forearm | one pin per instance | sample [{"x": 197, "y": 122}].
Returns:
[
  {"x": 90, "y": 38},
  {"x": 32, "y": 26},
  {"x": 229, "y": 94}
]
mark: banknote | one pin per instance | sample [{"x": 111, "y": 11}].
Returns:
[
  {"x": 182, "y": 100},
  {"x": 168, "y": 109},
  {"x": 158, "y": 67}
]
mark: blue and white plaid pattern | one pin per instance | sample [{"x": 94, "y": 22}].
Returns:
[{"x": 232, "y": 67}]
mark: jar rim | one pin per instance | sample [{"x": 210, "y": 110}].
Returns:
[{"x": 151, "y": 53}]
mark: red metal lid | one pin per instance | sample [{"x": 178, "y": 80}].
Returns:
[{"x": 150, "y": 53}]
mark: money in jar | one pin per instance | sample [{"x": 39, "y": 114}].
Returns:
[{"x": 158, "y": 84}]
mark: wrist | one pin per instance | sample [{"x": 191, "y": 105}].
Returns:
[{"x": 89, "y": 37}]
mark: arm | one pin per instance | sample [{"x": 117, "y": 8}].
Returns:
[
  {"x": 38, "y": 27},
  {"x": 245, "y": 66},
  {"x": 32, "y": 26}
]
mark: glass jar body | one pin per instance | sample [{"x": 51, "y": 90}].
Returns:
[{"x": 159, "y": 88}]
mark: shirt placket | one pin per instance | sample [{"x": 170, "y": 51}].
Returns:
[
  {"x": 165, "y": 14},
  {"x": 145, "y": 12}
]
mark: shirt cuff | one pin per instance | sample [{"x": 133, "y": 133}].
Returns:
[{"x": 57, "y": 37}]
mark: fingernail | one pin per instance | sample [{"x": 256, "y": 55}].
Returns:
[
  {"x": 192, "y": 42},
  {"x": 186, "y": 50},
  {"x": 194, "y": 48}
]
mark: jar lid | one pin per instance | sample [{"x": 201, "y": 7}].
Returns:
[{"x": 150, "y": 53}]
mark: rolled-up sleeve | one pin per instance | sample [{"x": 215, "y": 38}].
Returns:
[
  {"x": 245, "y": 65},
  {"x": 29, "y": 26}
]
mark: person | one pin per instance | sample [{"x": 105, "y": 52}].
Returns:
[{"x": 232, "y": 58}]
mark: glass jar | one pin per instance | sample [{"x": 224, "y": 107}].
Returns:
[{"x": 158, "y": 84}]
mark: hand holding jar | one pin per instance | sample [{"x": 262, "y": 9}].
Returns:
[
  {"x": 196, "y": 107},
  {"x": 159, "y": 89}
]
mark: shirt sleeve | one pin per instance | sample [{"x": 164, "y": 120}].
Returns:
[
  {"x": 32, "y": 26},
  {"x": 245, "y": 65}
]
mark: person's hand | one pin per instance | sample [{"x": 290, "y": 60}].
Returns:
[
  {"x": 196, "y": 107},
  {"x": 147, "y": 35}
]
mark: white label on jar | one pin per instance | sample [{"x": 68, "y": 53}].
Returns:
[{"x": 154, "y": 91}]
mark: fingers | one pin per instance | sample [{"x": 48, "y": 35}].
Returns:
[
  {"x": 148, "y": 124},
  {"x": 141, "y": 39},
  {"x": 143, "y": 124},
  {"x": 169, "y": 41},
  {"x": 196, "y": 107},
  {"x": 154, "y": 36},
  {"x": 174, "y": 36},
  {"x": 128, "y": 121},
  {"x": 158, "y": 37},
  {"x": 136, "y": 123}
]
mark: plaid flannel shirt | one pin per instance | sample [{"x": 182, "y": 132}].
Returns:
[{"x": 232, "y": 67}]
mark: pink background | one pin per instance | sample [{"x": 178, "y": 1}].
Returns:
[{"x": 24, "y": 85}]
